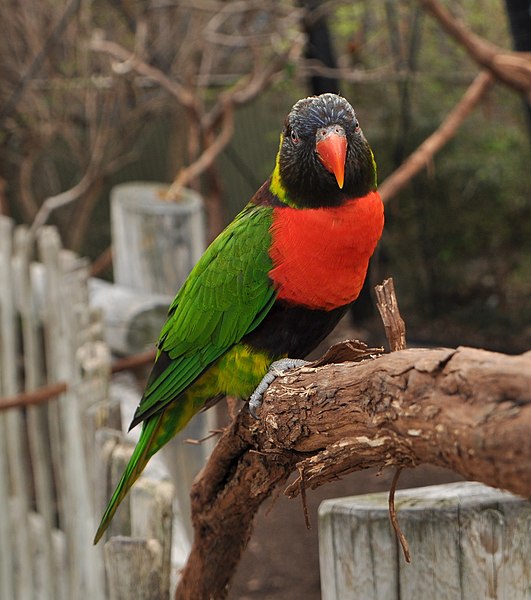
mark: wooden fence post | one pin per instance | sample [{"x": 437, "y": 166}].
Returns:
[
  {"x": 155, "y": 245},
  {"x": 46, "y": 470},
  {"x": 137, "y": 565},
  {"x": 36, "y": 416},
  {"x": 66, "y": 311},
  {"x": 133, "y": 568},
  {"x": 50, "y": 476},
  {"x": 13, "y": 426},
  {"x": 467, "y": 542},
  {"x": 7, "y": 575},
  {"x": 152, "y": 518}
]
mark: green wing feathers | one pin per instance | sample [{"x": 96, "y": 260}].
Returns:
[{"x": 227, "y": 295}]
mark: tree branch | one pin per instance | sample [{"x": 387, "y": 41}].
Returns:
[
  {"x": 50, "y": 391},
  {"x": 206, "y": 158},
  {"x": 88, "y": 179},
  {"x": 513, "y": 68},
  {"x": 464, "y": 409},
  {"x": 424, "y": 154},
  {"x": 52, "y": 203},
  {"x": 129, "y": 60}
]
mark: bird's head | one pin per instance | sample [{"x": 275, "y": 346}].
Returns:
[{"x": 324, "y": 159}]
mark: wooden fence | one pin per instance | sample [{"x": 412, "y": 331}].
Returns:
[{"x": 59, "y": 459}]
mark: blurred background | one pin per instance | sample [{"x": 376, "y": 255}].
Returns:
[
  {"x": 77, "y": 115},
  {"x": 96, "y": 93}
]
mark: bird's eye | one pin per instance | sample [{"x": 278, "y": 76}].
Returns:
[
  {"x": 294, "y": 137},
  {"x": 357, "y": 126}
]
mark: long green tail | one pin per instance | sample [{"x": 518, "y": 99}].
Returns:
[
  {"x": 139, "y": 459},
  {"x": 238, "y": 372}
]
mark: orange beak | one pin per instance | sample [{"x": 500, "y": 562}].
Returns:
[{"x": 331, "y": 147}]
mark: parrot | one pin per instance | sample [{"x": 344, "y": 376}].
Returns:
[{"x": 272, "y": 285}]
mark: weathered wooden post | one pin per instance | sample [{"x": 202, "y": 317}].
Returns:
[
  {"x": 140, "y": 566},
  {"x": 155, "y": 245},
  {"x": 16, "y": 575},
  {"x": 467, "y": 542},
  {"x": 65, "y": 319}
]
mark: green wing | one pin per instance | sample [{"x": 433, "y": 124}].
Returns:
[{"x": 227, "y": 295}]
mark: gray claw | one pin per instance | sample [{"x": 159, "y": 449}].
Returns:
[{"x": 277, "y": 368}]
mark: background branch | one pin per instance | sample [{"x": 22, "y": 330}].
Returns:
[
  {"x": 130, "y": 61},
  {"x": 424, "y": 154},
  {"x": 513, "y": 68}
]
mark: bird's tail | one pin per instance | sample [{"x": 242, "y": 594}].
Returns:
[{"x": 139, "y": 459}]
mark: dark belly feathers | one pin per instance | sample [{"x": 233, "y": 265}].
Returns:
[{"x": 293, "y": 330}]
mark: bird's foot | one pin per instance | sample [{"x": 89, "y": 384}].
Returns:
[{"x": 277, "y": 368}]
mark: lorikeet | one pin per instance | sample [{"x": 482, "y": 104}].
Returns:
[{"x": 273, "y": 284}]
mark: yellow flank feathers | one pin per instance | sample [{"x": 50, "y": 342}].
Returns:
[
  {"x": 240, "y": 370},
  {"x": 236, "y": 373}
]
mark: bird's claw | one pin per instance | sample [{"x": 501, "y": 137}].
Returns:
[{"x": 277, "y": 368}]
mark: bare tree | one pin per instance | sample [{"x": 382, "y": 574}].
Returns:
[
  {"x": 72, "y": 106},
  {"x": 237, "y": 49},
  {"x": 66, "y": 127}
]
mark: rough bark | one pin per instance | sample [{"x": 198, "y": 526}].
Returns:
[{"x": 464, "y": 409}]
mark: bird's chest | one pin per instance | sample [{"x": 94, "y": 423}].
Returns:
[{"x": 320, "y": 256}]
